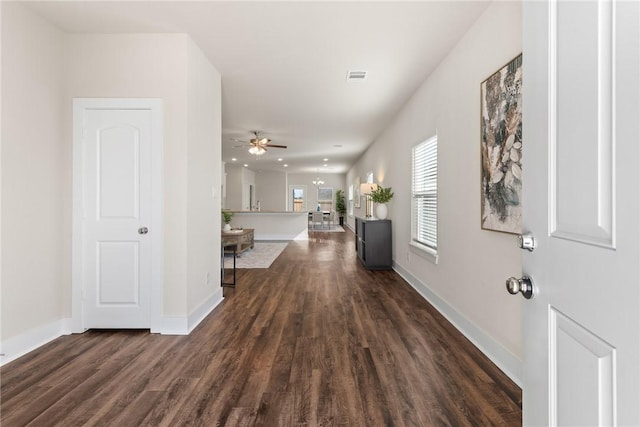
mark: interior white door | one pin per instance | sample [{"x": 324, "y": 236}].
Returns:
[
  {"x": 581, "y": 204},
  {"x": 117, "y": 178}
]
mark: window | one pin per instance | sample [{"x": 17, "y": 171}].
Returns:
[
  {"x": 351, "y": 200},
  {"x": 297, "y": 198},
  {"x": 325, "y": 199},
  {"x": 424, "y": 196},
  {"x": 369, "y": 177}
]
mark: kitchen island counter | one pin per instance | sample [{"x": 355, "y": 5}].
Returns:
[{"x": 273, "y": 225}]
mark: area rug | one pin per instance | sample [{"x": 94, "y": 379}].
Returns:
[
  {"x": 261, "y": 256},
  {"x": 327, "y": 229}
]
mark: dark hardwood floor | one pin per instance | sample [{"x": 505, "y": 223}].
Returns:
[{"x": 315, "y": 340}]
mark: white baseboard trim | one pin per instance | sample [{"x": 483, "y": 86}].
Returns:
[
  {"x": 183, "y": 325},
  {"x": 503, "y": 358},
  {"x": 172, "y": 325},
  {"x": 15, "y": 347},
  {"x": 204, "y": 309}
]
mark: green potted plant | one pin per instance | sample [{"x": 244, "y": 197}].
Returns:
[
  {"x": 340, "y": 206},
  {"x": 226, "y": 218},
  {"x": 381, "y": 196}
]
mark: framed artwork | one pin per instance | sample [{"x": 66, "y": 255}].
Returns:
[
  {"x": 356, "y": 191},
  {"x": 325, "y": 194},
  {"x": 501, "y": 149}
]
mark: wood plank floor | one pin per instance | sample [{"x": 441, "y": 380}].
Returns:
[{"x": 315, "y": 340}]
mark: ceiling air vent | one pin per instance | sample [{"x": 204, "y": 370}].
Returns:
[{"x": 356, "y": 76}]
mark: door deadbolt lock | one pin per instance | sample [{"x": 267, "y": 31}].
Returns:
[
  {"x": 524, "y": 285},
  {"x": 143, "y": 230},
  {"x": 526, "y": 241}
]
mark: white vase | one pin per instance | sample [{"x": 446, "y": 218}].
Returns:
[
  {"x": 227, "y": 227},
  {"x": 381, "y": 211}
]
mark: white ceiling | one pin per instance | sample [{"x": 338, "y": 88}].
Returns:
[{"x": 284, "y": 64}]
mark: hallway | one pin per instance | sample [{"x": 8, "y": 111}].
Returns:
[{"x": 313, "y": 340}]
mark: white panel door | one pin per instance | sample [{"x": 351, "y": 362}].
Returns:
[
  {"x": 117, "y": 267},
  {"x": 581, "y": 204}
]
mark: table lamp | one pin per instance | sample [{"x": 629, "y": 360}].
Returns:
[{"x": 366, "y": 189}]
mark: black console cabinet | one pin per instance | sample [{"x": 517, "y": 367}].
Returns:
[{"x": 373, "y": 243}]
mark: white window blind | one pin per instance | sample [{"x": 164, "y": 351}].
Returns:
[{"x": 424, "y": 193}]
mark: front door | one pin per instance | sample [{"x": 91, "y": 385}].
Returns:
[
  {"x": 116, "y": 144},
  {"x": 581, "y": 204}
]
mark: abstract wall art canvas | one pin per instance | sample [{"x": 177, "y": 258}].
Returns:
[
  {"x": 501, "y": 148},
  {"x": 325, "y": 194}
]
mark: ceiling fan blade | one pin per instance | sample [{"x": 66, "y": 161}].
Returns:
[
  {"x": 275, "y": 146},
  {"x": 239, "y": 140}
]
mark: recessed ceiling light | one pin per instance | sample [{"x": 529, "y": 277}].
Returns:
[
  {"x": 279, "y": 159},
  {"x": 325, "y": 160},
  {"x": 246, "y": 165},
  {"x": 325, "y": 165},
  {"x": 286, "y": 165},
  {"x": 234, "y": 159}
]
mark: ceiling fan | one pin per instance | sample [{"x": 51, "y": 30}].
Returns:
[{"x": 258, "y": 146}]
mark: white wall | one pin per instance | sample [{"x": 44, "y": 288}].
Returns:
[
  {"x": 271, "y": 190},
  {"x": 203, "y": 178},
  {"x": 239, "y": 179},
  {"x": 223, "y": 178},
  {"x": 43, "y": 69},
  {"x": 248, "y": 180},
  {"x": 33, "y": 172},
  {"x": 233, "y": 200},
  {"x": 143, "y": 66},
  {"x": 335, "y": 181},
  {"x": 468, "y": 282},
  {"x": 171, "y": 67},
  {"x": 1, "y": 26}
]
